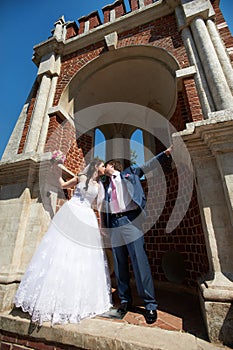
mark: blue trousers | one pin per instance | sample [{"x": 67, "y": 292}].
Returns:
[{"x": 128, "y": 241}]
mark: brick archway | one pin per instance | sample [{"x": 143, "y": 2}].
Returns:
[{"x": 139, "y": 74}]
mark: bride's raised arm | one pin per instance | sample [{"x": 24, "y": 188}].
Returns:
[{"x": 67, "y": 184}]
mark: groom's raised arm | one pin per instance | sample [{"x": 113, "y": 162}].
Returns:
[{"x": 162, "y": 158}]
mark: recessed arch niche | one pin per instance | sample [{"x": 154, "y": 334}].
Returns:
[{"x": 140, "y": 74}]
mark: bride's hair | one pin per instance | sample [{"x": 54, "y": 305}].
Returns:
[{"x": 92, "y": 167}]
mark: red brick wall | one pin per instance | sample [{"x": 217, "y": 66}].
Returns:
[
  {"x": 182, "y": 114},
  {"x": 71, "y": 31},
  {"x": 93, "y": 19},
  {"x": 81, "y": 27},
  {"x": 72, "y": 63},
  {"x": 62, "y": 136},
  {"x": 187, "y": 239},
  {"x": 120, "y": 10},
  {"x": 160, "y": 33},
  {"x": 94, "y": 22},
  {"x": 192, "y": 100},
  {"x": 9, "y": 341}
]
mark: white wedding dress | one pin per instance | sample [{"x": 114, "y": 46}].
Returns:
[{"x": 67, "y": 279}]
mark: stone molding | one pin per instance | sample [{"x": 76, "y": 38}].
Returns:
[
  {"x": 184, "y": 73},
  {"x": 111, "y": 40}
]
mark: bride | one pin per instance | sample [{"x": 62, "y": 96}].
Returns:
[{"x": 67, "y": 279}]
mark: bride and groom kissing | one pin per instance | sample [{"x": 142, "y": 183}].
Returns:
[{"x": 67, "y": 278}]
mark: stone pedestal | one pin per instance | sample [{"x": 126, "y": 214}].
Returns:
[{"x": 216, "y": 298}]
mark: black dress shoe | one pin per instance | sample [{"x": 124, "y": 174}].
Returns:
[
  {"x": 124, "y": 308},
  {"x": 150, "y": 316}
]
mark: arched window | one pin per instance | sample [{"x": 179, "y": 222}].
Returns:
[
  {"x": 99, "y": 145},
  {"x": 137, "y": 148}
]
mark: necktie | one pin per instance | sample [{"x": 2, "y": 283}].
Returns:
[{"x": 114, "y": 201}]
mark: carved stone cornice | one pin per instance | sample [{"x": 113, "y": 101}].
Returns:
[{"x": 211, "y": 136}]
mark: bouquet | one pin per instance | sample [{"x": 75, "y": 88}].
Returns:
[{"x": 58, "y": 157}]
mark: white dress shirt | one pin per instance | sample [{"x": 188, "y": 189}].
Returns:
[{"x": 124, "y": 200}]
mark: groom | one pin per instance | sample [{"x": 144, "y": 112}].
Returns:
[{"x": 126, "y": 202}]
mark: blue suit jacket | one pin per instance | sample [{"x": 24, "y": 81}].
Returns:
[{"x": 131, "y": 177}]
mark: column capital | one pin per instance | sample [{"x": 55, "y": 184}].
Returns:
[
  {"x": 192, "y": 9},
  {"x": 50, "y": 64}
]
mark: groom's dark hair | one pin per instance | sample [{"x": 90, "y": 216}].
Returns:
[{"x": 116, "y": 163}]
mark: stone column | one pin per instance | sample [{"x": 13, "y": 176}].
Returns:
[
  {"x": 211, "y": 148},
  {"x": 221, "y": 52},
  {"x": 117, "y": 149},
  {"x": 200, "y": 80},
  {"x": 48, "y": 71},
  {"x": 218, "y": 85},
  {"x": 38, "y": 115},
  {"x": 45, "y": 125}
]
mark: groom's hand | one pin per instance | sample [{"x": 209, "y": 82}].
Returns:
[{"x": 169, "y": 150}]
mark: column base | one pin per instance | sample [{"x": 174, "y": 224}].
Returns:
[{"x": 216, "y": 298}]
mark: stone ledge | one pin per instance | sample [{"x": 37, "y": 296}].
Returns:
[
  {"x": 100, "y": 333},
  {"x": 215, "y": 119}
]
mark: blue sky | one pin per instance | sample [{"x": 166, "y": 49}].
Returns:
[{"x": 26, "y": 23}]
